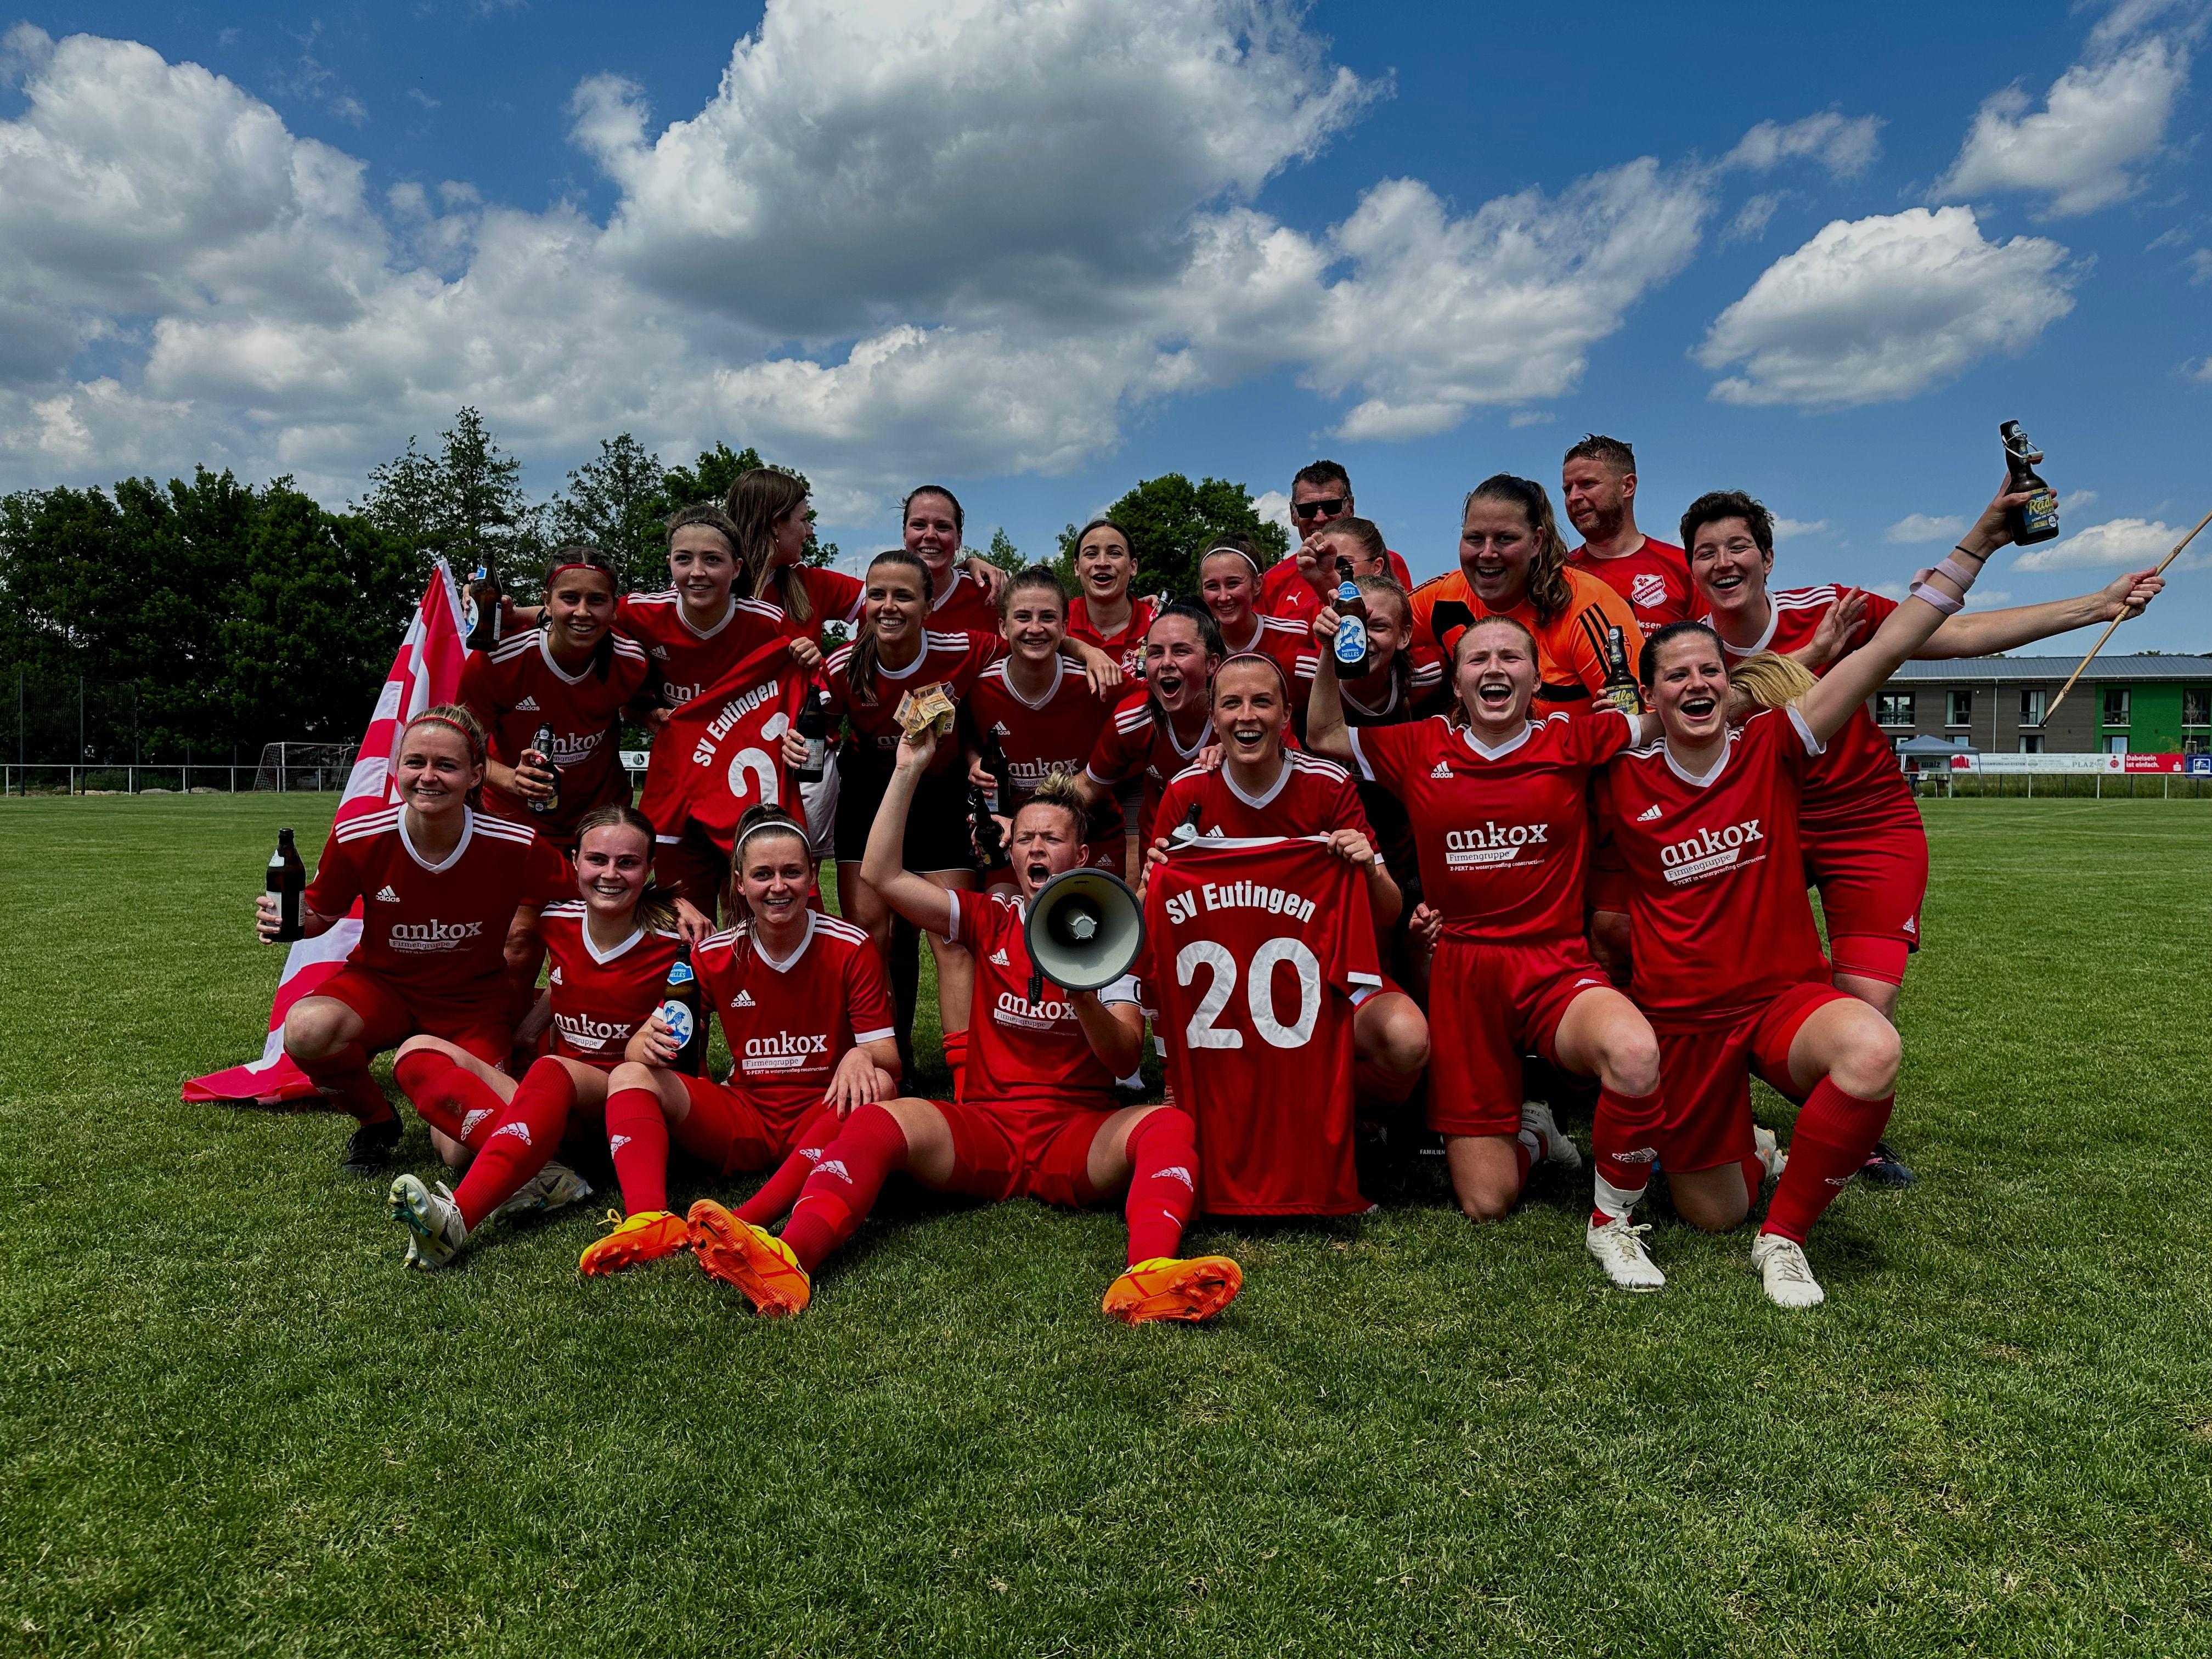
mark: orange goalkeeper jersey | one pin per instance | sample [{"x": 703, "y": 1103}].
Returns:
[{"x": 1570, "y": 648}]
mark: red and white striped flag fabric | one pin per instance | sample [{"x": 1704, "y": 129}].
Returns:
[{"x": 426, "y": 672}]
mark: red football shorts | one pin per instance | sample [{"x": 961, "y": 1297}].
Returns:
[
  {"x": 1704, "y": 1077},
  {"x": 479, "y": 1018},
  {"x": 1872, "y": 879},
  {"x": 722, "y": 1127},
  {"x": 1037, "y": 1149},
  {"x": 1488, "y": 1005}
]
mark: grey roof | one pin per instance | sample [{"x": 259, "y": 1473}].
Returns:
[
  {"x": 1936, "y": 746},
  {"x": 2056, "y": 669}
]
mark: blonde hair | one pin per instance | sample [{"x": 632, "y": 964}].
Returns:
[
  {"x": 1061, "y": 788},
  {"x": 656, "y": 905},
  {"x": 1773, "y": 680}
]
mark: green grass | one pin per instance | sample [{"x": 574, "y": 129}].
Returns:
[{"x": 229, "y": 1423}]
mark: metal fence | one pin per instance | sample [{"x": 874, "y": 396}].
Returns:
[
  {"x": 179, "y": 779},
  {"x": 1946, "y": 784}
]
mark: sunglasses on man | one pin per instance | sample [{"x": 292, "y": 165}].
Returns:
[{"x": 1328, "y": 507}]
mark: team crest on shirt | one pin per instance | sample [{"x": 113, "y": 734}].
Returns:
[{"x": 1647, "y": 592}]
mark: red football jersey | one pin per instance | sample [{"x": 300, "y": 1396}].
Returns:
[
  {"x": 1019, "y": 1050},
  {"x": 1135, "y": 741},
  {"x": 952, "y": 660},
  {"x": 689, "y": 661},
  {"x": 833, "y": 596},
  {"x": 600, "y": 1001},
  {"x": 1654, "y": 580},
  {"x": 1717, "y": 907},
  {"x": 789, "y": 1023},
  {"x": 516, "y": 686},
  {"x": 1427, "y": 674},
  {"x": 1858, "y": 784},
  {"x": 1286, "y": 641},
  {"x": 722, "y": 752},
  {"x": 1311, "y": 796},
  {"x": 1126, "y": 647},
  {"x": 964, "y": 606},
  {"x": 1255, "y": 951},
  {"x": 1393, "y": 829},
  {"x": 1284, "y": 593},
  {"x": 1502, "y": 834},
  {"x": 1057, "y": 735},
  {"x": 436, "y": 927}
]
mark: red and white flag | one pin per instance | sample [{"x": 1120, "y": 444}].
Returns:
[{"x": 426, "y": 672}]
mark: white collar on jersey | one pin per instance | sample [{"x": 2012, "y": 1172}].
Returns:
[
  {"x": 784, "y": 966},
  {"x": 1052, "y": 691},
  {"x": 1765, "y": 636},
  {"x": 1259, "y": 633},
  {"x": 1704, "y": 781},
  {"x": 603, "y": 958},
  {"x": 1503, "y": 748},
  {"x": 1350, "y": 701},
  {"x": 545, "y": 650},
  {"x": 951, "y": 587},
  {"x": 1255, "y": 802},
  {"x": 684, "y": 618},
  {"x": 919, "y": 657},
  {"x": 468, "y": 829}
]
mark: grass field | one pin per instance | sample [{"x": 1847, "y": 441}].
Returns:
[{"x": 229, "y": 1423}]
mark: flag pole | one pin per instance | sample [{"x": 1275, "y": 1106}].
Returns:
[{"x": 2118, "y": 620}]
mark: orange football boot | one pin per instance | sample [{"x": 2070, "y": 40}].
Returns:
[
  {"x": 646, "y": 1237},
  {"x": 1166, "y": 1288},
  {"x": 753, "y": 1259}
]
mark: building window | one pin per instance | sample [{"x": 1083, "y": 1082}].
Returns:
[
  {"x": 2195, "y": 745},
  {"x": 1958, "y": 709},
  {"x": 2032, "y": 705},
  {"x": 2114, "y": 745},
  {"x": 2116, "y": 710},
  {"x": 2196, "y": 705},
  {"x": 1893, "y": 708},
  {"x": 2031, "y": 743}
]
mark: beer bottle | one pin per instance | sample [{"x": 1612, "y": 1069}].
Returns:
[
  {"x": 483, "y": 602},
  {"x": 542, "y": 742},
  {"x": 2037, "y": 519},
  {"x": 1352, "y": 659},
  {"x": 990, "y": 844},
  {"x": 1001, "y": 795},
  {"x": 683, "y": 1013},
  {"x": 288, "y": 880},
  {"x": 814, "y": 728},
  {"x": 1620, "y": 687},
  {"x": 1186, "y": 833}
]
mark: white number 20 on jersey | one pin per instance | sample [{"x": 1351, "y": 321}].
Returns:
[{"x": 1259, "y": 992}]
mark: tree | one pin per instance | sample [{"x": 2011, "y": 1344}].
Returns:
[
  {"x": 618, "y": 503},
  {"x": 1170, "y": 520},
  {"x": 465, "y": 505},
  {"x": 1003, "y": 553},
  {"x": 709, "y": 477}
]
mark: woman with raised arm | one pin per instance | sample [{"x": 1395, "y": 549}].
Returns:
[
  {"x": 611, "y": 943},
  {"x": 1498, "y": 802},
  {"x": 449, "y": 902},
  {"x": 1040, "y": 1116}
]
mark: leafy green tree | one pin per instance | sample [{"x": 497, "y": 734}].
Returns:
[
  {"x": 616, "y": 502},
  {"x": 465, "y": 504},
  {"x": 709, "y": 477},
  {"x": 1003, "y": 553},
  {"x": 1170, "y": 520}
]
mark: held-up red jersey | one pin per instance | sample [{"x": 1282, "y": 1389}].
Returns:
[
  {"x": 600, "y": 1000},
  {"x": 789, "y": 1023},
  {"x": 436, "y": 928},
  {"x": 1717, "y": 907},
  {"x": 688, "y": 660},
  {"x": 1021, "y": 1052},
  {"x": 1311, "y": 796},
  {"x": 1128, "y": 646},
  {"x": 1857, "y": 787},
  {"x": 1136, "y": 741},
  {"x": 517, "y": 687},
  {"x": 1502, "y": 834},
  {"x": 1254, "y": 953},
  {"x": 952, "y": 660},
  {"x": 1654, "y": 580},
  {"x": 1056, "y": 735}
]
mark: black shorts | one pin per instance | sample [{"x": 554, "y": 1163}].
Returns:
[{"x": 937, "y": 836}]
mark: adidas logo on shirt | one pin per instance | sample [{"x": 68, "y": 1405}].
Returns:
[
  {"x": 742, "y": 1000},
  {"x": 556, "y": 979},
  {"x": 1648, "y": 814},
  {"x": 1913, "y": 925},
  {"x": 999, "y": 958},
  {"x": 386, "y": 895},
  {"x": 527, "y": 706},
  {"x": 1443, "y": 770}
]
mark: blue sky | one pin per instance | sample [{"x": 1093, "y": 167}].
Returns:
[{"x": 1038, "y": 250}]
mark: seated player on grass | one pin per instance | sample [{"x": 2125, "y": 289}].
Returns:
[
  {"x": 611, "y": 947},
  {"x": 807, "y": 1011},
  {"x": 1039, "y": 1115}
]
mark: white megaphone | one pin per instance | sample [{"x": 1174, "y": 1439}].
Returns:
[{"x": 1083, "y": 929}]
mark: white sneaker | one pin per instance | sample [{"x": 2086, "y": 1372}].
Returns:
[
  {"x": 1556, "y": 1146},
  {"x": 1619, "y": 1247},
  {"x": 433, "y": 1220},
  {"x": 553, "y": 1187},
  {"x": 1789, "y": 1277},
  {"x": 1771, "y": 1156}
]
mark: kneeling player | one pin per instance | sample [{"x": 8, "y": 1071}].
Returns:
[
  {"x": 1038, "y": 1117},
  {"x": 611, "y": 947},
  {"x": 806, "y": 1011},
  {"x": 1728, "y": 963}
]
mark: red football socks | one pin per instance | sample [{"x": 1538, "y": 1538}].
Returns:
[
  {"x": 637, "y": 1139},
  {"x": 1834, "y": 1134},
  {"x": 773, "y": 1200},
  {"x": 520, "y": 1144},
  {"x": 842, "y": 1189},
  {"x": 1163, "y": 1184},
  {"x": 344, "y": 1077},
  {"x": 451, "y": 1099},
  {"x": 1621, "y": 1148}
]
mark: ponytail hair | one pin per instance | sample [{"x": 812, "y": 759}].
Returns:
[
  {"x": 760, "y": 500},
  {"x": 867, "y": 655},
  {"x": 1548, "y": 589},
  {"x": 582, "y": 553},
  {"x": 656, "y": 905},
  {"x": 1062, "y": 790}
]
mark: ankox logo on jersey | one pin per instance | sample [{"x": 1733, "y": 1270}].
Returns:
[
  {"x": 582, "y": 1031},
  {"x": 571, "y": 748},
  {"x": 433, "y": 935},
  {"x": 1709, "y": 850},
  {"x": 785, "y": 1052},
  {"x": 1241, "y": 896},
  {"x": 1017, "y": 1011},
  {"x": 1494, "y": 843}
]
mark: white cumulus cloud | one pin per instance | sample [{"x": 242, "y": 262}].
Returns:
[
  {"x": 1916, "y": 527},
  {"x": 2129, "y": 543},
  {"x": 1846, "y": 145},
  {"x": 1872, "y": 310}
]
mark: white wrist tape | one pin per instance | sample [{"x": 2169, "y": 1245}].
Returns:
[{"x": 1935, "y": 596}]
